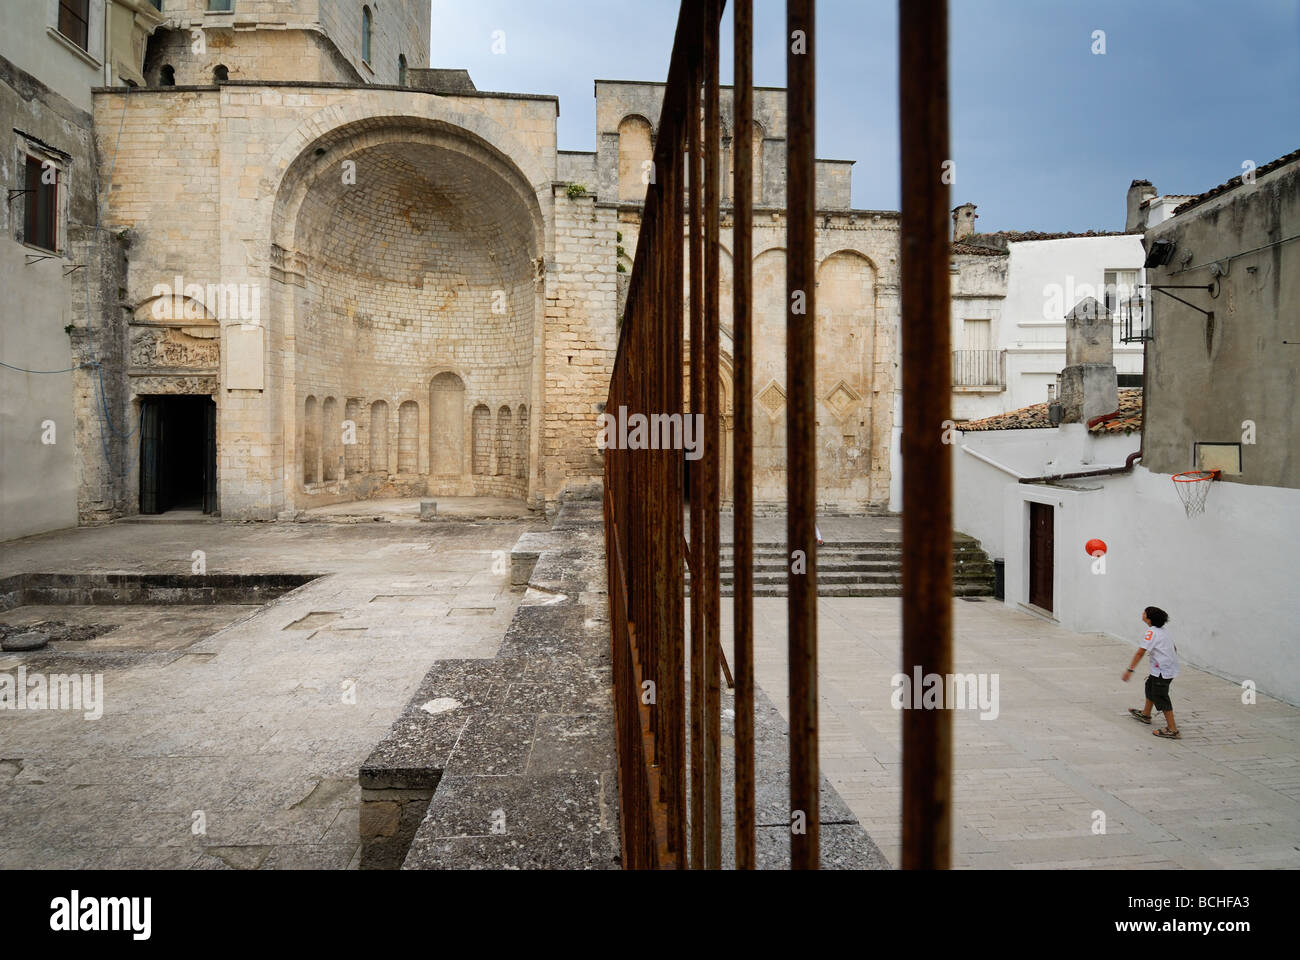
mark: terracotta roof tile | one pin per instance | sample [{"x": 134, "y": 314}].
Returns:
[
  {"x": 978, "y": 250},
  {"x": 1035, "y": 416},
  {"x": 1236, "y": 182},
  {"x": 998, "y": 244}
]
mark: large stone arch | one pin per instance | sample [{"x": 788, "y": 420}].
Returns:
[
  {"x": 769, "y": 316},
  {"x": 379, "y": 110},
  {"x": 846, "y": 315},
  {"x": 402, "y": 244},
  {"x": 726, "y": 285},
  {"x": 846, "y": 347}
]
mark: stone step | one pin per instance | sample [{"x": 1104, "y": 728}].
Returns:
[
  {"x": 839, "y": 551},
  {"x": 863, "y": 562},
  {"x": 850, "y": 544},
  {"x": 857, "y": 590},
  {"x": 856, "y": 568}
]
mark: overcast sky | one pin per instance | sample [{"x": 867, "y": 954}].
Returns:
[{"x": 1046, "y": 134}]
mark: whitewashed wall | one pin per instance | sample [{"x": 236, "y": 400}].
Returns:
[
  {"x": 979, "y": 486},
  {"x": 1032, "y": 330},
  {"x": 1227, "y": 579}
]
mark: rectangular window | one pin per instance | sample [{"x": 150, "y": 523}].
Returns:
[
  {"x": 40, "y": 225},
  {"x": 221, "y": 6},
  {"x": 74, "y": 21},
  {"x": 1120, "y": 286}
]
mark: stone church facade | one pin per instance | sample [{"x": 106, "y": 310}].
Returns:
[
  {"x": 857, "y": 293},
  {"x": 328, "y": 273}
]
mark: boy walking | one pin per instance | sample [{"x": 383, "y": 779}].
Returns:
[{"x": 1164, "y": 667}]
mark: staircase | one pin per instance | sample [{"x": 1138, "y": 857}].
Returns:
[{"x": 859, "y": 568}]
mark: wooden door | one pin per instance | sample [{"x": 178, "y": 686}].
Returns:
[
  {"x": 210, "y": 458},
  {"x": 1041, "y": 545},
  {"x": 149, "y": 454}
]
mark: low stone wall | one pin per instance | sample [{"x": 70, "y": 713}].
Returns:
[
  {"x": 509, "y": 763},
  {"x": 76, "y": 589}
]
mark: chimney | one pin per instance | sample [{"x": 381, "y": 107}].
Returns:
[
  {"x": 963, "y": 221},
  {"x": 1136, "y": 218},
  {"x": 1089, "y": 385}
]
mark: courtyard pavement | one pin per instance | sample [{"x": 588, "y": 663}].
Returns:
[
  {"x": 240, "y": 747},
  {"x": 1062, "y": 752},
  {"x": 232, "y": 735}
]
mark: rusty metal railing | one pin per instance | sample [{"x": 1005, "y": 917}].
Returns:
[
  {"x": 669, "y": 819},
  {"x": 927, "y": 406}
]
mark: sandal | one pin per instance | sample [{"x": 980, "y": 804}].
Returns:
[
  {"x": 1168, "y": 734},
  {"x": 1137, "y": 714}
]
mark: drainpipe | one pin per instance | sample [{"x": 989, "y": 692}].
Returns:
[
  {"x": 993, "y": 463},
  {"x": 1104, "y": 471}
]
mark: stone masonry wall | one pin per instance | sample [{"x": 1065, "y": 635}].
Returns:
[
  {"x": 275, "y": 55},
  {"x": 419, "y": 269},
  {"x": 163, "y": 200},
  {"x": 857, "y": 301},
  {"x": 302, "y": 40},
  {"x": 209, "y": 183},
  {"x": 580, "y": 342}
]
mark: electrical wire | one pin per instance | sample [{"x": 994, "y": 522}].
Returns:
[
  {"x": 10, "y": 366},
  {"x": 1235, "y": 256}
]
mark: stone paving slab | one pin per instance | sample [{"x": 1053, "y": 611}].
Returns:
[
  {"x": 530, "y": 780},
  {"x": 1028, "y": 784},
  {"x": 260, "y": 724},
  {"x": 845, "y": 843}
]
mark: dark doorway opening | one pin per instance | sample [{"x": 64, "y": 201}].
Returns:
[
  {"x": 178, "y": 454},
  {"x": 1042, "y": 543}
]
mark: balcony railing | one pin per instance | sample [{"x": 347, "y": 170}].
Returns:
[{"x": 979, "y": 368}]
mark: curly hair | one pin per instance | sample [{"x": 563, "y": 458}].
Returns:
[{"x": 1157, "y": 616}]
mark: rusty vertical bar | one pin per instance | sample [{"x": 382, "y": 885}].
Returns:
[
  {"x": 663, "y": 572},
  {"x": 743, "y": 539},
  {"x": 675, "y": 688},
  {"x": 927, "y": 392},
  {"x": 709, "y": 560},
  {"x": 695, "y": 230},
  {"x": 801, "y": 432}
]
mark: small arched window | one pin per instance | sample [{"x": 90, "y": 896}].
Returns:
[
  {"x": 365, "y": 34},
  {"x": 167, "y": 75},
  {"x": 220, "y": 74},
  {"x": 401, "y": 70}
]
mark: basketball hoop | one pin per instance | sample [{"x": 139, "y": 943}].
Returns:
[{"x": 1193, "y": 487}]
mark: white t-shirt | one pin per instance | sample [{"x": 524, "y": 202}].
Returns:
[{"x": 1160, "y": 649}]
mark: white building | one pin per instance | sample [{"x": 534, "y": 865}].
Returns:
[
  {"x": 1219, "y": 395},
  {"x": 1011, "y": 292}
]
